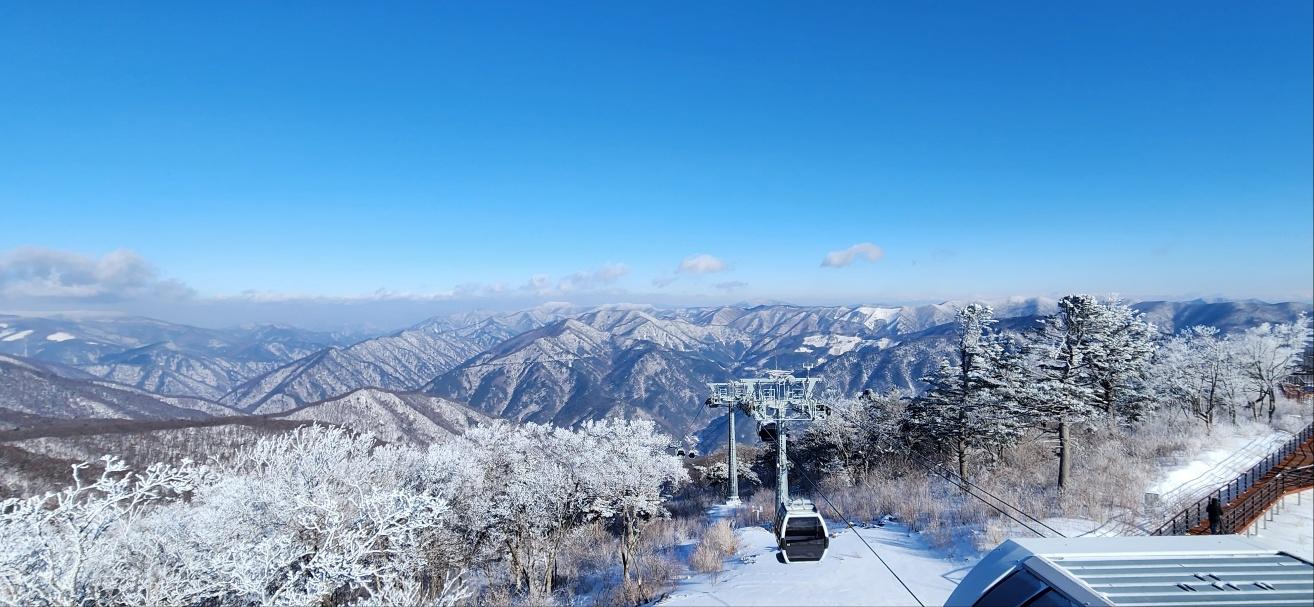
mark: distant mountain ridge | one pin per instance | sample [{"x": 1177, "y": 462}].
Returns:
[
  {"x": 162, "y": 357},
  {"x": 30, "y": 392},
  {"x": 559, "y": 364}
]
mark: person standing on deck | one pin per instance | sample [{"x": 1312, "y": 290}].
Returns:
[{"x": 1215, "y": 510}]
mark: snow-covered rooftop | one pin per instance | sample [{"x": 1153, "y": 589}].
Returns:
[{"x": 1195, "y": 570}]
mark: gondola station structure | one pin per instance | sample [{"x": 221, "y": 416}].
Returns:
[
  {"x": 1145, "y": 571},
  {"x": 774, "y": 402}
]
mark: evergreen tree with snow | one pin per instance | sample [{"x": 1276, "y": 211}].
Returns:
[
  {"x": 1063, "y": 351},
  {"x": 1121, "y": 346},
  {"x": 969, "y": 405}
]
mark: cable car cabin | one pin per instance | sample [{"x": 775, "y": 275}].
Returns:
[
  {"x": 768, "y": 432},
  {"x": 801, "y": 532}
]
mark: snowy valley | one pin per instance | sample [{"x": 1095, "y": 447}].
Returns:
[{"x": 567, "y": 457}]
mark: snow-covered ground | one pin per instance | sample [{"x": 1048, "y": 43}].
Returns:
[
  {"x": 1292, "y": 527},
  {"x": 17, "y": 336},
  {"x": 849, "y": 575},
  {"x": 1084, "y": 527},
  {"x": 1234, "y": 452}
]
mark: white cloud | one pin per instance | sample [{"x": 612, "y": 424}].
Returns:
[
  {"x": 33, "y": 273},
  {"x": 661, "y": 282},
  {"x": 701, "y": 264},
  {"x": 538, "y": 283},
  {"x": 844, "y": 257},
  {"x": 605, "y": 275}
]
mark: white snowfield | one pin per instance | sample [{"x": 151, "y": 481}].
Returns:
[
  {"x": 1220, "y": 465},
  {"x": 1292, "y": 527},
  {"x": 849, "y": 575},
  {"x": 17, "y": 336},
  {"x": 60, "y": 336},
  {"x": 837, "y": 344},
  {"x": 1234, "y": 454}
]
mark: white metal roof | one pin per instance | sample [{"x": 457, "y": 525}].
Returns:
[{"x": 1144, "y": 571}]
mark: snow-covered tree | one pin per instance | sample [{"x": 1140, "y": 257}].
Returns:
[
  {"x": 629, "y": 475},
  {"x": 845, "y": 444},
  {"x": 1267, "y": 354},
  {"x": 969, "y": 405},
  {"x": 314, "y": 516},
  {"x": 1061, "y": 350},
  {"x": 1199, "y": 369},
  {"x": 53, "y": 547},
  {"x": 1119, "y": 360},
  {"x": 717, "y": 474},
  {"x": 513, "y": 497},
  {"x": 517, "y": 491},
  {"x": 308, "y": 516}
]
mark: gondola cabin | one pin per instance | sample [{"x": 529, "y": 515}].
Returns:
[{"x": 801, "y": 532}]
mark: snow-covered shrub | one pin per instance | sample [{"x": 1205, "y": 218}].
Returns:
[
  {"x": 653, "y": 573},
  {"x": 58, "y": 548},
  {"x": 586, "y": 561},
  {"x": 674, "y": 531},
  {"x": 758, "y": 509},
  {"x": 517, "y": 492},
  {"x": 995, "y": 531},
  {"x": 721, "y": 537},
  {"x": 707, "y": 559},
  {"x": 315, "y": 516}
]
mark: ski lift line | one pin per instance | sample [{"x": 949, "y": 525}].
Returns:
[
  {"x": 952, "y": 476},
  {"x": 948, "y": 479},
  {"x": 961, "y": 482},
  {"x": 963, "y": 485},
  {"x": 855, "y": 531}
]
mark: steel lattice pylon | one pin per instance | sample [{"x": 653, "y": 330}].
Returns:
[{"x": 778, "y": 398}]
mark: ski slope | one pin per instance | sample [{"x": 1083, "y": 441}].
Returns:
[{"x": 849, "y": 575}]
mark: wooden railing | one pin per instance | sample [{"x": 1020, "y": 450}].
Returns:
[
  {"x": 1194, "y": 514},
  {"x": 1241, "y": 514}
]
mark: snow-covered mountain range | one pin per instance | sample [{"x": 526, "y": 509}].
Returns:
[{"x": 558, "y": 364}]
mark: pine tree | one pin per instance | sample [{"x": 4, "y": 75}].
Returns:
[
  {"x": 968, "y": 406},
  {"x": 1119, "y": 357},
  {"x": 1062, "y": 391}
]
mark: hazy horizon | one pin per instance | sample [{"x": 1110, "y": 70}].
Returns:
[{"x": 386, "y": 315}]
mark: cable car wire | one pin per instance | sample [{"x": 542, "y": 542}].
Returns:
[
  {"x": 950, "y": 475},
  {"x": 854, "y": 530},
  {"x": 961, "y": 483}
]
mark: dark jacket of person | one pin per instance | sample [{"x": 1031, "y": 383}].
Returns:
[{"x": 1214, "y": 509}]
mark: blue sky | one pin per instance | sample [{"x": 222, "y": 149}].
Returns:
[{"x": 319, "y": 149}]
